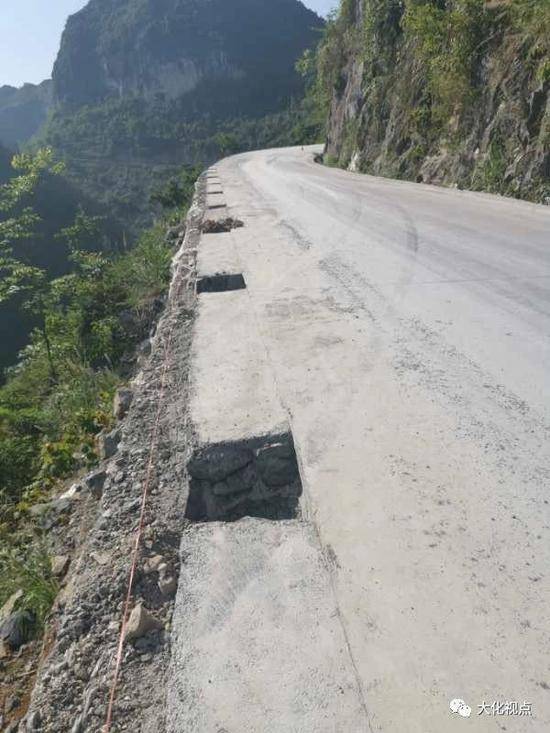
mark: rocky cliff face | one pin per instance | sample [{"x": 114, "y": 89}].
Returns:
[
  {"x": 23, "y": 111},
  {"x": 244, "y": 50},
  {"x": 454, "y": 92}
]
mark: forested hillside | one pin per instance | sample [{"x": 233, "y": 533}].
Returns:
[{"x": 441, "y": 91}]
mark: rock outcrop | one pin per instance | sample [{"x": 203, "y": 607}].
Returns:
[{"x": 448, "y": 93}]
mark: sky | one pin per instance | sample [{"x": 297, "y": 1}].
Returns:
[{"x": 30, "y": 31}]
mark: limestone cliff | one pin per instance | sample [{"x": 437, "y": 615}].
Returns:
[
  {"x": 224, "y": 56},
  {"x": 453, "y": 92}
]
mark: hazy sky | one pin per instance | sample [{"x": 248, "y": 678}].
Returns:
[{"x": 30, "y": 31}]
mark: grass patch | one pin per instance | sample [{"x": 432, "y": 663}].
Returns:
[{"x": 29, "y": 571}]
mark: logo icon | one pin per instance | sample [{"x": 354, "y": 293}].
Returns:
[{"x": 459, "y": 706}]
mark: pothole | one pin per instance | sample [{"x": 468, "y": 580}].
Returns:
[
  {"x": 251, "y": 478},
  {"x": 220, "y": 283},
  {"x": 218, "y": 226}
]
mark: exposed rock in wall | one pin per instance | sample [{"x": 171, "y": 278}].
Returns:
[{"x": 475, "y": 114}]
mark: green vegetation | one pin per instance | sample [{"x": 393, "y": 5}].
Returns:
[
  {"x": 59, "y": 395},
  {"x": 28, "y": 571},
  {"x": 122, "y": 151},
  {"x": 55, "y": 204},
  {"x": 447, "y": 40},
  {"x": 89, "y": 320},
  {"x": 324, "y": 65},
  {"x": 313, "y": 67},
  {"x": 412, "y": 85},
  {"x": 489, "y": 175}
]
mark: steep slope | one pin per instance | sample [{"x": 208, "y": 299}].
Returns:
[
  {"x": 143, "y": 86},
  {"x": 452, "y": 92},
  {"x": 23, "y": 111}
]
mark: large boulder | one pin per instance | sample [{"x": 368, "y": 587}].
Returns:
[
  {"x": 17, "y": 629},
  {"x": 122, "y": 402},
  {"x": 141, "y": 622},
  {"x": 108, "y": 444}
]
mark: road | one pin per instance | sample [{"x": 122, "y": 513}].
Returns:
[{"x": 406, "y": 329}]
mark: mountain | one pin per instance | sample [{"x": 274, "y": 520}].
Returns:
[
  {"x": 143, "y": 86},
  {"x": 23, "y": 111},
  {"x": 223, "y": 56},
  {"x": 453, "y": 92}
]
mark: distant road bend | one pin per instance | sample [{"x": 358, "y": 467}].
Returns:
[{"x": 403, "y": 332}]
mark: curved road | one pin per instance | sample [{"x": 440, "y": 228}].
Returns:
[{"x": 408, "y": 331}]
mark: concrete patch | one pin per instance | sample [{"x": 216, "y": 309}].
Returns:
[
  {"x": 258, "y": 644},
  {"x": 233, "y": 392},
  {"x": 217, "y": 254}
]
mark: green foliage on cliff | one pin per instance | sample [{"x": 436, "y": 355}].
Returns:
[
  {"x": 447, "y": 40},
  {"x": 321, "y": 68},
  {"x": 413, "y": 85}
]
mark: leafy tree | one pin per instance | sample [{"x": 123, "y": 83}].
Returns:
[
  {"x": 227, "y": 143},
  {"x": 17, "y": 277},
  {"x": 178, "y": 191}
]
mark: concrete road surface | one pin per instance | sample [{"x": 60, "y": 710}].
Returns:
[{"x": 406, "y": 333}]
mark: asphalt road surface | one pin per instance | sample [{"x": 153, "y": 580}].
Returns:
[{"x": 407, "y": 331}]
